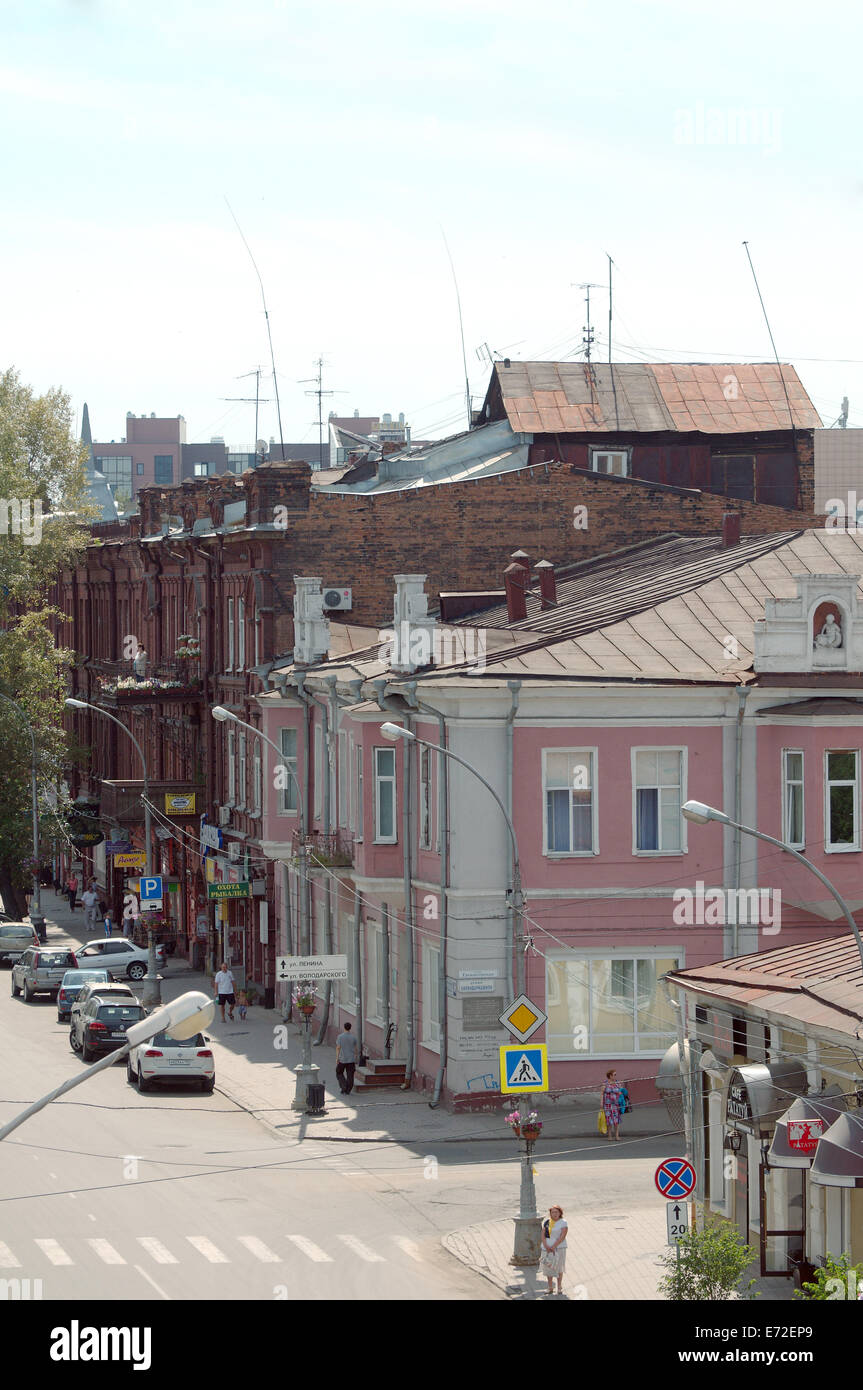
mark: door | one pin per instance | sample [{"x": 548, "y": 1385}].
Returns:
[{"x": 783, "y": 1219}]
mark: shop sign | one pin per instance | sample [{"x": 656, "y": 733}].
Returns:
[
  {"x": 180, "y": 803},
  {"x": 228, "y": 890},
  {"x": 803, "y": 1135},
  {"x": 211, "y": 836},
  {"x": 737, "y": 1106}
]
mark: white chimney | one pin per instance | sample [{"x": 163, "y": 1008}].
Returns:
[
  {"x": 311, "y": 628},
  {"x": 413, "y": 629}
]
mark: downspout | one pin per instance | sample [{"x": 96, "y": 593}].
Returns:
[
  {"x": 516, "y": 960},
  {"x": 385, "y": 943},
  {"x": 389, "y": 705},
  {"x": 327, "y": 775},
  {"x": 410, "y": 693},
  {"x": 742, "y": 696}
]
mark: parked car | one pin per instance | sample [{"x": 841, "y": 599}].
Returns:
[
  {"x": 171, "y": 1059},
  {"x": 118, "y": 957},
  {"x": 116, "y": 989},
  {"x": 70, "y": 988},
  {"x": 15, "y": 937},
  {"x": 101, "y": 1025},
  {"x": 40, "y": 971}
]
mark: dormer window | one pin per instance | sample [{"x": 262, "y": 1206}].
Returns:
[{"x": 611, "y": 461}]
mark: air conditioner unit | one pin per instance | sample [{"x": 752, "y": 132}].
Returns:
[
  {"x": 337, "y": 598},
  {"x": 234, "y": 850},
  {"x": 224, "y": 815}
]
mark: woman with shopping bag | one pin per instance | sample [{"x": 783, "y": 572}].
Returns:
[
  {"x": 552, "y": 1261},
  {"x": 611, "y": 1104}
]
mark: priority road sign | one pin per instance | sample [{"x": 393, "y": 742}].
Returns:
[
  {"x": 151, "y": 890},
  {"x": 675, "y": 1178},
  {"x": 524, "y": 1068},
  {"x": 676, "y": 1221},
  {"x": 522, "y": 1018}
]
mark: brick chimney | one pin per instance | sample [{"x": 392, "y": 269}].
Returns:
[
  {"x": 519, "y": 557},
  {"x": 547, "y": 584},
  {"x": 730, "y": 529},
  {"x": 515, "y": 577}
]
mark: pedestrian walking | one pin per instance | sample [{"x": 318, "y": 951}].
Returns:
[
  {"x": 224, "y": 983},
  {"x": 552, "y": 1261},
  {"x": 90, "y": 904},
  {"x": 346, "y": 1060},
  {"x": 71, "y": 890},
  {"x": 108, "y": 923},
  {"x": 242, "y": 1003},
  {"x": 611, "y": 1104}
]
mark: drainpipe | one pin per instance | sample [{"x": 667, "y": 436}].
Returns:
[
  {"x": 742, "y": 696},
  {"x": 325, "y": 706},
  {"x": 515, "y": 958},
  {"x": 385, "y": 942},
  {"x": 389, "y": 705}
]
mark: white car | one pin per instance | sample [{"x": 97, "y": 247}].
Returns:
[
  {"x": 118, "y": 956},
  {"x": 169, "y": 1059}
]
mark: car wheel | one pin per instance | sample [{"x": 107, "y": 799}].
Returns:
[
  {"x": 130, "y": 1075},
  {"x": 136, "y": 970},
  {"x": 61, "y": 1018},
  {"x": 25, "y": 992},
  {"x": 73, "y": 1041},
  {"x": 86, "y": 1053},
  {"x": 143, "y": 1086},
  {"x": 208, "y": 1087},
  {"x": 16, "y": 989}
]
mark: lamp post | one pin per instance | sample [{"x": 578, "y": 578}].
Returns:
[
  {"x": 307, "y": 1072},
  {"x": 36, "y": 900},
  {"x": 527, "y": 1224},
  {"x": 152, "y": 994}
]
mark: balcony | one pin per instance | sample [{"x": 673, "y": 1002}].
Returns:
[
  {"x": 121, "y": 801},
  {"x": 326, "y": 851},
  {"x": 170, "y": 680}
]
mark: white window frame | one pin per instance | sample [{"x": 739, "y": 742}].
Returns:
[
  {"x": 682, "y": 750},
  {"x": 607, "y": 953},
  {"x": 241, "y": 634},
  {"x": 380, "y": 782},
  {"x": 374, "y": 967},
  {"x": 289, "y": 761},
  {"x": 231, "y": 646},
  {"x": 425, "y": 832},
  {"x": 593, "y": 754},
  {"x": 787, "y": 784},
  {"x": 243, "y": 773},
  {"x": 431, "y": 1026},
  {"x": 344, "y": 779},
  {"x": 348, "y": 992},
  {"x": 232, "y": 765},
  {"x": 319, "y": 772},
  {"x": 257, "y": 778},
  {"x": 623, "y": 455},
  {"x": 359, "y": 786},
  {"x": 829, "y": 847}
]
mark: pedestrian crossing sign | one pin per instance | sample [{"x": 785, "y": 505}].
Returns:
[{"x": 524, "y": 1067}]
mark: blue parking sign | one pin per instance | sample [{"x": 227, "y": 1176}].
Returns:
[{"x": 151, "y": 888}]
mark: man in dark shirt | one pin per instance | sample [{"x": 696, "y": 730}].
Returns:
[{"x": 346, "y": 1060}]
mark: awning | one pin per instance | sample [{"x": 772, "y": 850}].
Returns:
[
  {"x": 839, "y": 1160},
  {"x": 826, "y": 1107},
  {"x": 757, "y": 1095}
]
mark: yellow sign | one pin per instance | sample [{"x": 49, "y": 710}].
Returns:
[
  {"x": 129, "y": 861},
  {"x": 180, "y": 803},
  {"x": 522, "y": 1018},
  {"x": 523, "y": 1067}
]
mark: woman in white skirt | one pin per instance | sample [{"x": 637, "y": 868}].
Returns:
[{"x": 553, "y": 1259}]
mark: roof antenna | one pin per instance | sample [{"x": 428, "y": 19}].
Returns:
[
  {"x": 587, "y": 331},
  {"x": 772, "y": 343},
  {"x": 461, "y": 332},
  {"x": 269, "y": 334},
  {"x": 610, "y": 264}
]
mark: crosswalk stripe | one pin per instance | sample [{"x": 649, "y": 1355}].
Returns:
[
  {"x": 362, "y": 1250},
  {"x": 308, "y": 1247},
  {"x": 55, "y": 1253},
  {"x": 209, "y": 1251},
  {"x": 105, "y": 1250},
  {"x": 260, "y": 1251},
  {"x": 156, "y": 1250},
  {"x": 7, "y": 1259},
  {"x": 410, "y": 1247}
]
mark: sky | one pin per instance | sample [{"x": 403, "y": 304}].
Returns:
[{"x": 356, "y": 141}]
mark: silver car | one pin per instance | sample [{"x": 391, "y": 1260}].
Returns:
[
  {"x": 120, "y": 957},
  {"x": 40, "y": 971},
  {"x": 71, "y": 986},
  {"x": 15, "y": 937}
]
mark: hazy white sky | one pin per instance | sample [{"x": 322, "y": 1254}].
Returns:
[{"x": 346, "y": 135}]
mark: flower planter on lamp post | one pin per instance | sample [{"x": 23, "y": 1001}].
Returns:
[
  {"x": 305, "y": 1002},
  {"x": 526, "y": 1127}
]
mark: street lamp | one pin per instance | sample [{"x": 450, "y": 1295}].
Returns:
[
  {"x": 152, "y": 994},
  {"x": 527, "y": 1223},
  {"x": 36, "y": 901},
  {"x": 182, "y": 1018},
  {"x": 307, "y": 1072}
]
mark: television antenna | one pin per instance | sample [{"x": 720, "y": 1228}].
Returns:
[
  {"x": 320, "y": 393},
  {"x": 257, "y": 398}
]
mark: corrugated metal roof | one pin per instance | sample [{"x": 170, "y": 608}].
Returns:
[{"x": 709, "y": 398}]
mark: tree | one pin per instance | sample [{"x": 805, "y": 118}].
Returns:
[
  {"x": 44, "y": 516},
  {"x": 837, "y": 1279},
  {"x": 710, "y": 1266}
]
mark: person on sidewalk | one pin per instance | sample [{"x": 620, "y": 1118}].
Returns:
[
  {"x": 346, "y": 1060},
  {"x": 108, "y": 923},
  {"x": 611, "y": 1104},
  {"x": 224, "y": 983},
  {"x": 71, "y": 890},
  {"x": 90, "y": 904},
  {"x": 552, "y": 1261}
]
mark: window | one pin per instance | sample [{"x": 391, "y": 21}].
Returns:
[
  {"x": 163, "y": 466},
  {"x": 230, "y": 666},
  {"x": 344, "y": 779},
  {"x": 241, "y": 634},
  {"x": 241, "y": 789},
  {"x": 117, "y": 470},
  {"x": 202, "y": 470},
  {"x": 608, "y": 1007},
  {"x": 658, "y": 793},
  {"x": 425, "y": 796},
  {"x": 842, "y": 811},
  {"x": 139, "y": 470},
  {"x": 792, "y": 798},
  {"x": 258, "y": 643},
  {"x": 385, "y": 796},
  {"x": 614, "y": 461},
  {"x": 232, "y": 765},
  {"x": 288, "y": 744},
  {"x": 570, "y": 804},
  {"x": 319, "y": 771},
  {"x": 431, "y": 996},
  {"x": 256, "y": 779},
  {"x": 360, "y": 792},
  {"x": 374, "y": 982},
  {"x": 349, "y": 948}
]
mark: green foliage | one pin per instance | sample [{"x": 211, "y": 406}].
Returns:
[
  {"x": 833, "y": 1281},
  {"x": 711, "y": 1265}
]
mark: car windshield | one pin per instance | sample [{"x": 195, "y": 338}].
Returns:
[
  {"x": 81, "y": 977},
  {"x": 121, "y": 1013},
  {"x": 18, "y": 933},
  {"x": 162, "y": 1040}
]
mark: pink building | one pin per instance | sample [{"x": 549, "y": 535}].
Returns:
[{"x": 725, "y": 671}]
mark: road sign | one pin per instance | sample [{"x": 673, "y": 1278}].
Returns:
[
  {"x": 129, "y": 861},
  {"x": 675, "y": 1178},
  {"x": 522, "y": 1018},
  {"x": 803, "y": 1135},
  {"x": 676, "y": 1221},
  {"x": 151, "y": 890},
  {"x": 311, "y": 968},
  {"x": 523, "y": 1068}
]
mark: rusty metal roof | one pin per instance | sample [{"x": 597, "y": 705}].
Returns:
[
  {"x": 707, "y": 398},
  {"x": 817, "y": 983}
]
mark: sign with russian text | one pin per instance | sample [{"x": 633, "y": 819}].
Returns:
[
  {"x": 803, "y": 1135},
  {"x": 129, "y": 861},
  {"x": 180, "y": 803},
  {"x": 228, "y": 890},
  {"x": 311, "y": 968}
]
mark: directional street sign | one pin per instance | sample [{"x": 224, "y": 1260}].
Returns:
[
  {"x": 311, "y": 967},
  {"x": 522, "y": 1018},
  {"x": 151, "y": 891},
  {"x": 675, "y": 1178},
  {"x": 524, "y": 1068},
  {"x": 676, "y": 1221}
]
